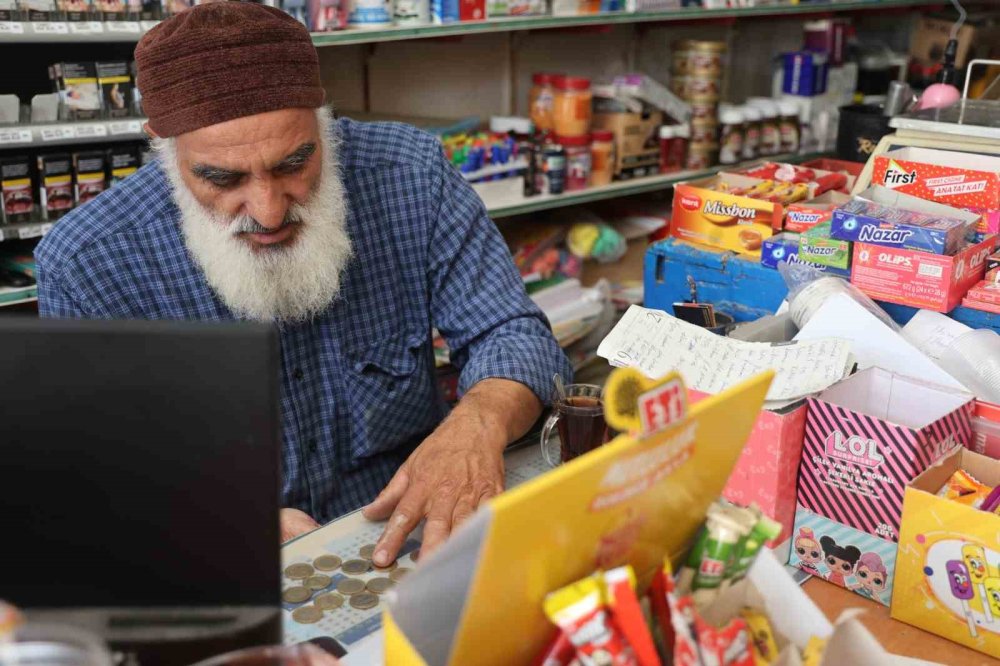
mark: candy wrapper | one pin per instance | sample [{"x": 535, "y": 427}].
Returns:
[
  {"x": 580, "y": 611},
  {"x": 963, "y": 488}
]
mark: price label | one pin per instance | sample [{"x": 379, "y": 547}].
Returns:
[
  {"x": 123, "y": 26},
  {"x": 11, "y": 28},
  {"x": 30, "y": 231},
  {"x": 58, "y": 133},
  {"x": 14, "y": 136},
  {"x": 663, "y": 406},
  {"x": 125, "y": 127},
  {"x": 50, "y": 28},
  {"x": 148, "y": 25},
  {"x": 86, "y": 28},
  {"x": 90, "y": 131}
]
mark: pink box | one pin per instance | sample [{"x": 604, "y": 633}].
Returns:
[
  {"x": 976, "y": 304},
  {"x": 870, "y": 435},
  {"x": 986, "y": 429},
  {"x": 919, "y": 279},
  {"x": 768, "y": 468}
]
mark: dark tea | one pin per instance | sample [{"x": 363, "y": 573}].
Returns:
[{"x": 581, "y": 426}]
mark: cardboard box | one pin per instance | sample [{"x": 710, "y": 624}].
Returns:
[
  {"x": 985, "y": 292},
  {"x": 870, "y": 435},
  {"x": 931, "y": 35},
  {"x": 919, "y": 279},
  {"x": 891, "y": 219},
  {"x": 721, "y": 219},
  {"x": 816, "y": 247},
  {"x": 993, "y": 268},
  {"x": 986, "y": 429},
  {"x": 980, "y": 305},
  {"x": 803, "y": 216},
  {"x": 785, "y": 247},
  {"x": 948, "y": 568},
  {"x": 836, "y": 166},
  {"x": 637, "y": 143},
  {"x": 961, "y": 180}
]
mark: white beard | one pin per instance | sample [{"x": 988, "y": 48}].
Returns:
[{"x": 282, "y": 284}]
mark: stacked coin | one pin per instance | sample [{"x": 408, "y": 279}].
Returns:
[{"x": 697, "y": 79}]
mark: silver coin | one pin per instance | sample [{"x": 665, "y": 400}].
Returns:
[
  {"x": 327, "y": 562},
  {"x": 367, "y": 551},
  {"x": 350, "y": 586},
  {"x": 399, "y": 574},
  {"x": 296, "y": 595},
  {"x": 392, "y": 567},
  {"x": 356, "y": 567},
  {"x": 299, "y": 571},
  {"x": 379, "y": 585},
  {"x": 307, "y": 615},
  {"x": 318, "y": 582},
  {"x": 329, "y": 601},
  {"x": 364, "y": 601}
]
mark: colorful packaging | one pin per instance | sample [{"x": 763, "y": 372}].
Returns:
[
  {"x": 369, "y": 13},
  {"x": 993, "y": 268},
  {"x": 721, "y": 219},
  {"x": 816, "y": 247},
  {"x": 580, "y": 612},
  {"x": 122, "y": 162},
  {"x": 38, "y": 10},
  {"x": 115, "y": 81},
  {"x": 919, "y": 279},
  {"x": 112, "y": 10},
  {"x": 15, "y": 187},
  {"x": 980, "y": 305},
  {"x": 962, "y": 487},
  {"x": 89, "y": 176},
  {"x": 986, "y": 429},
  {"x": 963, "y": 180},
  {"x": 785, "y": 247},
  {"x": 328, "y": 15},
  {"x": 56, "y": 185},
  {"x": 985, "y": 292},
  {"x": 948, "y": 568},
  {"x": 882, "y": 217},
  {"x": 78, "y": 89},
  {"x": 801, "y": 217},
  {"x": 804, "y": 73},
  {"x": 74, "y": 10},
  {"x": 765, "y": 648},
  {"x": 451, "y": 11},
  {"x": 763, "y": 531},
  {"x": 627, "y": 614},
  {"x": 497, "y": 8}
]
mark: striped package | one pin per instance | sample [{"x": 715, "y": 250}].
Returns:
[{"x": 870, "y": 435}]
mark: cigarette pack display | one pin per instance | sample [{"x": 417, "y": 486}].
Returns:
[
  {"x": 816, "y": 247},
  {"x": 88, "y": 175},
  {"x": 55, "y": 189},
  {"x": 38, "y": 10},
  {"x": 75, "y": 10},
  {"x": 115, "y": 80},
  {"x": 112, "y": 10},
  {"x": 15, "y": 186},
  {"x": 122, "y": 163},
  {"x": 882, "y": 217},
  {"x": 948, "y": 566},
  {"x": 78, "y": 89},
  {"x": 9, "y": 10}
]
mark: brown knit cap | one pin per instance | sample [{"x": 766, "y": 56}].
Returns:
[{"x": 225, "y": 60}]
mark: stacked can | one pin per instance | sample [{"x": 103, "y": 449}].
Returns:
[{"x": 697, "y": 79}]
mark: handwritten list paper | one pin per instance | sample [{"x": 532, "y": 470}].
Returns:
[{"x": 657, "y": 343}]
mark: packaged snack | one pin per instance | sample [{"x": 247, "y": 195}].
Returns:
[
  {"x": 993, "y": 268},
  {"x": 817, "y": 247},
  {"x": 112, "y": 10},
  {"x": 992, "y": 501},
  {"x": 88, "y": 172},
  {"x": 627, "y": 614},
  {"x": 38, "y": 10},
  {"x": 722, "y": 533},
  {"x": 764, "y": 530},
  {"x": 559, "y": 652},
  {"x": 579, "y": 610},
  {"x": 74, "y": 10},
  {"x": 813, "y": 654},
  {"x": 762, "y": 643},
  {"x": 79, "y": 93},
  {"x": 962, "y": 487},
  {"x": 115, "y": 81},
  {"x": 15, "y": 186},
  {"x": 662, "y": 585},
  {"x": 56, "y": 186}
]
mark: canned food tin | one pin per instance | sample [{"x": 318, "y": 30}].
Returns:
[
  {"x": 698, "y": 57},
  {"x": 702, "y": 155},
  {"x": 696, "y": 88},
  {"x": 704, "y": 111},
  {"x": 704, "y": 131}
]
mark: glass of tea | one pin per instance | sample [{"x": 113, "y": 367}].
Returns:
[{"x": 579, "y": 418}]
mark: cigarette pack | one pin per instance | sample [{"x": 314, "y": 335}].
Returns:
[
  {"x": 115, "y": 80},
  {"x": 123, "y": 162},
  {"x": 55, "y": 188},
  {"x": 816, "y": 247},
  {"x": 112, "y": 10},
  {"x": 78, "y": 89},
  {"x": 9, "y": 10},
  {"x": 15, "y": 186},
  {"x": 75, "y": 10},
  {"x": 882, "y": 217},
  {"x": 89, "y": 176},
  {"x": 38, "y": 10}
]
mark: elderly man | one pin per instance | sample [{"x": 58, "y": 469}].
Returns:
[{"x": 355, "y": 239}]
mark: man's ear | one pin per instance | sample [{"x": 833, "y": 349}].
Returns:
[{"x": 149, "y": 131}]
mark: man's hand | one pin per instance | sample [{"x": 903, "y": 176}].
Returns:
[
  {"x": 294, "y": 523},
  {"x": 456, "y": 469}
]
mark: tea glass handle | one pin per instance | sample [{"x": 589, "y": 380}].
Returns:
[{"x": 550, "y": 459}]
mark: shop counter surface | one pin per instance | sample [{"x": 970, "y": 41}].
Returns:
[{"x": 896, "y": 637}]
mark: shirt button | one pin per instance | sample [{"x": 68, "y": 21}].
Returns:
[{"x": 298, "y": 374}]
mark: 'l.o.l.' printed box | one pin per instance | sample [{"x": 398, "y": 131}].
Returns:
[{"x": 869, "y": 436}]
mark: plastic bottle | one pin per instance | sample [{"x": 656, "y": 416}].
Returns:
[
  {"x": 602, "y": 152},
  {"x": 751, "y": 131},
  {"x": 540, "y": 101},
  {"x": 770, "y": 136},
  {"x": 730, "y": 135},
  {"x": 788, "y": 126}
]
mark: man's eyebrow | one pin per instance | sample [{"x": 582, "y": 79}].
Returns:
[
  {"x": 209, "y": 172},
  {"x": 298, "y": 157}
]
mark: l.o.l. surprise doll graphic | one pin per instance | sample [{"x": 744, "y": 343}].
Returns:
[
  {"x": 808, "y": 550},
  {"x": 840, "y": 560},
  {"x": 872, "y": 577}
]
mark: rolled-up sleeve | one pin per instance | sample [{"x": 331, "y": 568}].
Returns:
[{"x": 478, "y": 300}]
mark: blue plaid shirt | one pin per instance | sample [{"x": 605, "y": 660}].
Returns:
[{"x": 358, "y": 382}]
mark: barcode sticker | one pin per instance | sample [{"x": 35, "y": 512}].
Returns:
[
  {"x": 123, "y": 26},
  {"x": 14, "y": 136},
  {"x": 50, "y": 28},
  {"x": 86, "y": 28},
  {"x": 58, "y": 133},
  {"x": 11, "y": 28},
  {"x": 87, "y": 131},
  {"x": 930, "y": 270}
]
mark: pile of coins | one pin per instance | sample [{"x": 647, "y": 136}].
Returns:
[{"x": 357, "y": 593}]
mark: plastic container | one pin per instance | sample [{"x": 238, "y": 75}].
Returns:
[
  {"x": 701, "y": 155},
  {"x": 571, "y": 110},
  {"x": 704, "y": 131},
  {"x": 540, "y": 101},
  {"x": 578, "y": 161},
  {"x": 691, "y": 56},
  {"x": 554, "y": 169},
  {"x": 602, "y": 157},
  {"x": 789, "y": 130},
  {"x": 730, "y": 135},
  {"x": 751, "y": 131},
  {"x": 770, "y": 134}
]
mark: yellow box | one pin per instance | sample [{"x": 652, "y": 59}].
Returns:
[
  {"x": 704, "y": 213},
  {"x": 948, "y": 562}
]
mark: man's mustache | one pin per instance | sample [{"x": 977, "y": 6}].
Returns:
[{"x": 247, "y": 225}]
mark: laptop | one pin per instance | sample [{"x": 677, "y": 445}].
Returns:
[{"x": 139, "y": 479}]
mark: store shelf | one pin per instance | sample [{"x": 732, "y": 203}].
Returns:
[
  {"x": 522, "y": 205},
  {"x": 24, "y": 230},
  {"x": 397, "y": 33},
  {"x": 33, "y": 299},
  {"x": 71, "y": 133},
  {"x": 21, "y": 32}
]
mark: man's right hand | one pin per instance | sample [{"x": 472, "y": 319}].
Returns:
[{"x": 294, "y": 523}]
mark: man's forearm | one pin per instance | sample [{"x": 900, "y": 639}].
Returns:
[{"x": 501, "y": 406}]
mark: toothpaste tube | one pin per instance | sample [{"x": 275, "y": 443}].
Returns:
[{"x": 870, "y": 222}]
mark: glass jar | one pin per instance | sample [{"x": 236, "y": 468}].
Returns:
[
  {"x": 730, "y": 135},
  {"x": 602, "y": 157},
  {"x": 577, "y": 161},
  {"x": 571, "y": 110},
  {"x": 751, "y": 131},
  {"x": 540, "y": 101},
  {"x": 666, "y": 137},
  {"x": 788, "y": 126},
  {"x": 770, "y": 135},
  {"x": 554, "y": 169}
]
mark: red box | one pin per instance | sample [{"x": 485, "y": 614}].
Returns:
[
  {"x": 985, "y": 292},
  {"x": 803, "y": 216},
  {"x": 836, "y": 166},
  {"x": 962, "y": 180},
  {"x": 919, "y": 279},
  {"x": 980, "y": 305},
  {"x": 471, "y": 10}
]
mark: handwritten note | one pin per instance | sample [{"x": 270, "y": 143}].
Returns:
[{"x": 657, "y": 343}]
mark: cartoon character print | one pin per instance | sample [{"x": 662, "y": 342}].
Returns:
[
  {"x": 993, "y": 594},
  {"x": 840, "y": 560},
  {"x": 808, "y": 550},
  {"x": 975, "y": 559},
  {"x": 871, "y": 576},
  {"x": 958, "y": 579}
]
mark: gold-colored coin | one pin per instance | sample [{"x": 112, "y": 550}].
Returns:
[
  {"x": 364, "y": 601},
  {"x": 296, "y": 595},
  {"x": 392, "y": 567},
  {"x": 329, "y": 601},
  {"x": 350, "y": 586},
  {"x": 356, "y": 567},
  {"x": 399, "y": 574},
  {"x": 307, "y": 615},
  {"x": 327, "y": 562},
  {"x": 299, "y": 571},
  {"x": 318, "y": 582},
  {"x": 367, "y": 551},
  {"x": 379, "y": 585}
]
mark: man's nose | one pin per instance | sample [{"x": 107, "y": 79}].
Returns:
[{"x": 267, "y": 203}]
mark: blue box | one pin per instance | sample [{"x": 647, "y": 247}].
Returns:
[
  {"x": 785, "y": 247},
  {"x": 804, "y": 73}
]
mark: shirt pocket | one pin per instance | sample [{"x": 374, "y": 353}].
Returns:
[{"x": 392, "y": 394}]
